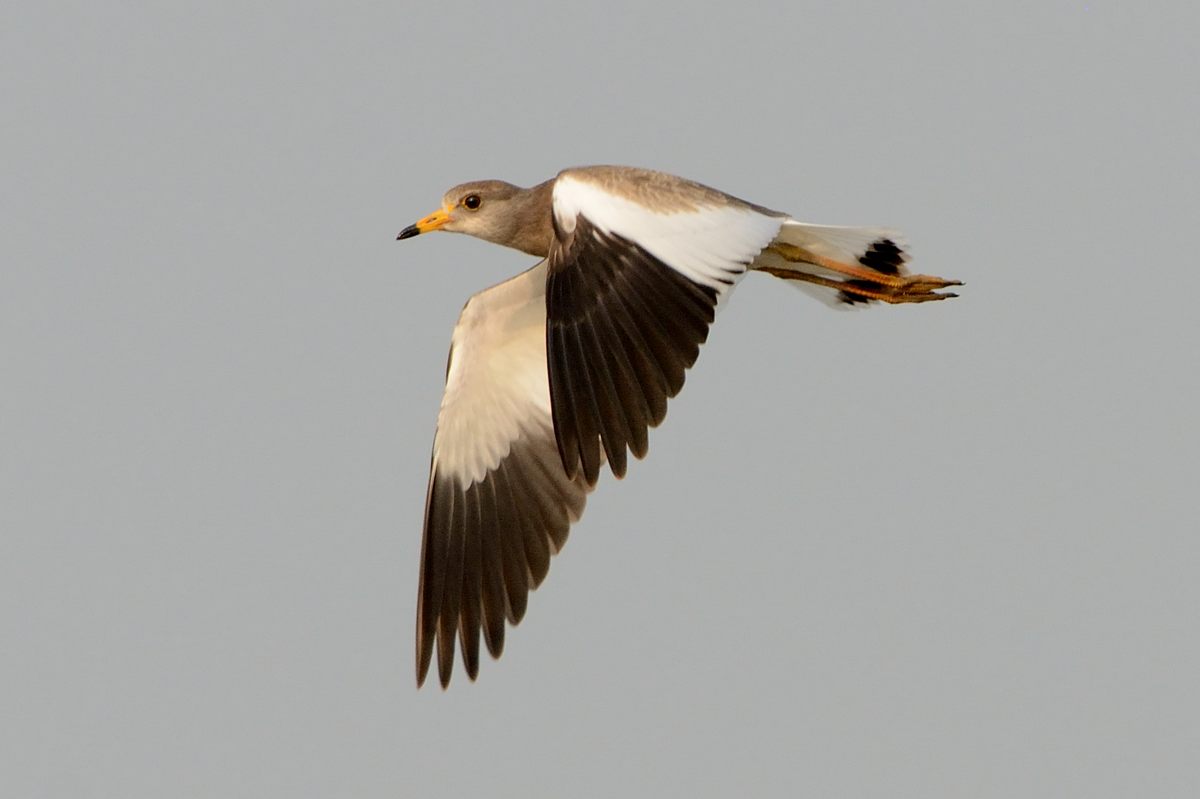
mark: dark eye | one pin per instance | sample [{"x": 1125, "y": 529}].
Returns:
[{"x": 472, "y": 202}]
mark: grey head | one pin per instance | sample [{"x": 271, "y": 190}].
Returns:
[{"x": 494, "y": 211}]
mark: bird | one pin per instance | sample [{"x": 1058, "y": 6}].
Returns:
[{"x": 566, "y": 366}]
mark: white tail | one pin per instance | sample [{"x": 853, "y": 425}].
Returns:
[{"x": 846, "y": 266}]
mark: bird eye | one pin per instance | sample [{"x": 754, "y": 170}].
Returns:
[{"x": 472, "y": 202}]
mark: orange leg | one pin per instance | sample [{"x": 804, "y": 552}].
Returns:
[
  {"x": 918, "y": 292},
  {"x": 891, "y": 288}
]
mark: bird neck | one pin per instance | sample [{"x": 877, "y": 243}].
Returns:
[{"x": 533, "y": 231}]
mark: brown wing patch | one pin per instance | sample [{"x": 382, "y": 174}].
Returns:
[{"x": 658, "y": 191}]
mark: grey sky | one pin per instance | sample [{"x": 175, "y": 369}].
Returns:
[{"x": 947, "y": 550}]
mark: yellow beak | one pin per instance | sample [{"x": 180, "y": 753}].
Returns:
[{"x": 432, "y": 222}]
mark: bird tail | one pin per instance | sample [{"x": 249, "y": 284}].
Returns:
[{"x": 848, "y": 266}]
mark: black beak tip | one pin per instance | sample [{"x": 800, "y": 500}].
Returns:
[{"x": 408, "y": 233}]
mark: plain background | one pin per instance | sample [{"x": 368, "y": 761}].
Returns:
[{"x": 945, "y": 550}]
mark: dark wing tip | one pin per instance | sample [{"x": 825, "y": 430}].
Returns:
[{"x": 486, "y": 547}]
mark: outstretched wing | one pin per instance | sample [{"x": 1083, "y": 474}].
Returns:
[
  {"x": 499, "y": 503},
  {"x": 638, "y": 266}
]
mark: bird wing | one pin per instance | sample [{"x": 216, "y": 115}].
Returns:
[
  {"x": 639, "y": 264},
  {"x": 499, "y": 503}
]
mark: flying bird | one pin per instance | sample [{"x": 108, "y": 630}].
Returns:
[{"x": 566, "y": 366}]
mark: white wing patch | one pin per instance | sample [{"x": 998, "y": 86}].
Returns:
[
  {"x": 711, "y": 246},
  {"x": 497, "y": 388}
]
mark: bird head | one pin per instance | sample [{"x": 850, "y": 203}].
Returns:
[
  {"x": 494, "y": 211},
  {"x": 481, "y": 209}
]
